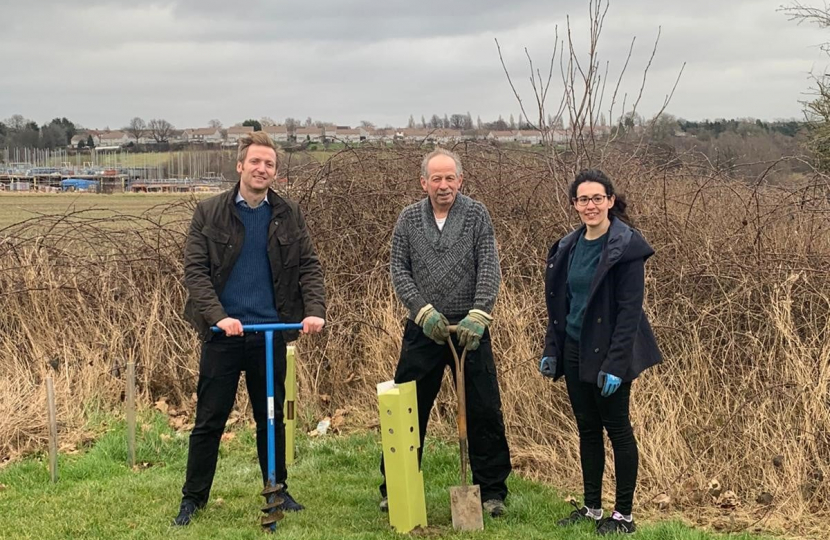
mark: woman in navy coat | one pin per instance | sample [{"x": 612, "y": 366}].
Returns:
[{"x": 598, "y": 338}]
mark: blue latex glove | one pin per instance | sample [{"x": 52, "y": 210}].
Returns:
[
  {"x": 547, "y": 366},
  {"x": 609, "y": 383}
]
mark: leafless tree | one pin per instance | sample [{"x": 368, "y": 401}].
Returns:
[
  {"x": 17, "y": 121},
  {"x": 584, "y": 82},
  {"x": 808, "y": 14},
  {"x": 816, "y": 109},
  {"x": 137, "y": 128},
  {"x": 215, "y": 124},
  {"x": 160, "y": 129}
]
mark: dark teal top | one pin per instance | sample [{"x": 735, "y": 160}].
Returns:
[{"x": 581, "y": 270}]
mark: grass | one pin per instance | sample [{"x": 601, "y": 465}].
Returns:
[
  {"x": 17, "y": 207},
  {"x": 336, "y": 477}
]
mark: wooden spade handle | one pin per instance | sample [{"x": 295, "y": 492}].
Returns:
[{"x": 461, "y": 417}]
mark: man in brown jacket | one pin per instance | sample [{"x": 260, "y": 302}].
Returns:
[{"x": 248, "y": 259}]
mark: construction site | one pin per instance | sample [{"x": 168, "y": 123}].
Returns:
[{"x": 112, "y": 170}]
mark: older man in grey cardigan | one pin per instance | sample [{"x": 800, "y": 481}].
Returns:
[{"x": 445, "y": 270}]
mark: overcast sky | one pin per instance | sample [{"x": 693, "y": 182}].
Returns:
[{"x": 102, "y": 62}]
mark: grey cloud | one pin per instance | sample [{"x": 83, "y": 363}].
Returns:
[{"x": 102, "y": 62}]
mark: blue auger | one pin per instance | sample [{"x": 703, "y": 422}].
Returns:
[{"x": 272, "y": 501}]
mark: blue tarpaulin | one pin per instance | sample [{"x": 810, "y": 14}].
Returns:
[{"x": 79, "y": 184}]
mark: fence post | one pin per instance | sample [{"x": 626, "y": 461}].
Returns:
[
  {"x": 131, "y": 413},
  {"x": 53, "y": 429}
]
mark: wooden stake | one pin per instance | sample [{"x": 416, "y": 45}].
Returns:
[
  {"x": 53, "y": 429},
  {"x": 131, "y": 414}
]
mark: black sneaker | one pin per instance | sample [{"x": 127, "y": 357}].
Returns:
[
  {"x": 579, "y": 515},
  {"x": 288, "y": 503},
  {"x": 615, "y": 525},
  {"x": 186, "y": 511}
]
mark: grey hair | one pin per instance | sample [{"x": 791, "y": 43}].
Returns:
[{"x": 441, "y": 152}]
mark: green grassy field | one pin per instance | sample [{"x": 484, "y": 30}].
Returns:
[
  {"x": 17, "y": 207},
  {"x": 335, "y": 477}
]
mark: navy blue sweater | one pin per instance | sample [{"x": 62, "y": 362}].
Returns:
[{"x": 249, "y": 292}]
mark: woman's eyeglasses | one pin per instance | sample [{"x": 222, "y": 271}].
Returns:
[{"x": 596, "y": 199}]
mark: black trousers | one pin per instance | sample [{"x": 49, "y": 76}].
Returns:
[
  {"x": 424, "y": 361},
  {"x": 222, "y": 361},
  {"x": 593, "y": 413}
]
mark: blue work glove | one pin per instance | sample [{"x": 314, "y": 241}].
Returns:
[
  {"x": 547, "y": 366},
  {"x": 609, "y": 383}
]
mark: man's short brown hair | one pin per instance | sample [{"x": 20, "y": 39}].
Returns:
[{"x": 259, "y": 138}]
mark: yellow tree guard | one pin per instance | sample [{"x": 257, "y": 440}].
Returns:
[
  {"x": 289, "y": 408},
  {"x": 398, "y": 409}
]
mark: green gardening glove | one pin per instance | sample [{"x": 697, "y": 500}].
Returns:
[
  {"x": 472, "y": 327},
  {"x": 435, "y": 325}
]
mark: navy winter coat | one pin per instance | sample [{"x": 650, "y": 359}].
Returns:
[{"x": 616, "y": 337}]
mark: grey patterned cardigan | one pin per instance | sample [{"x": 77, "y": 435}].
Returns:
[{"x": 456, "y": 269}]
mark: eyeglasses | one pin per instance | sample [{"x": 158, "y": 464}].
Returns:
[{"x": 596, "y": 199}]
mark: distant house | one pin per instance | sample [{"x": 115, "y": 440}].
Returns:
[
  {"x": 313, "y": 134},
  {"x": 203, "y": 135},
  {"x": 560, "y": 135},
  {"x": 502, "y": 136},
  {"x": 237, "y": 132},
  {"x": 378, "y": 135},
  {"x": 113, "y": 138},
  {"x": 176, "y": 136},
  {"x": 529, "y": 136},
  {"x": 414, "y": 134},
  {"x": 587, "y": 131},
  {"x": 330, "y": 131},
  {"x": 348, "y": 134},
  {"x": 277, "y": 133},
  {"x": 83, "y": 136},
  {"x": 173, "y": 136},
  {"x": 446, "y": 135}
]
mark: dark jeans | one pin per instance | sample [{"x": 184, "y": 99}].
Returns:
[
  {"x": 222, "y": 361},
  {"x": 424, "y": 361},
  {"x": 593, "y": 413}
]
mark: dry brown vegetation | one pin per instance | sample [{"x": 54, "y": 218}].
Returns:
[{"x": 738, "y": 294}]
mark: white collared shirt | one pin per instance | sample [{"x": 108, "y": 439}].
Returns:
[{"x": 241, "y": 199}]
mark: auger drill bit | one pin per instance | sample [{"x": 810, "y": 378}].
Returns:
[
  {"x": 272, "y": 503},
  {"x": 272, "y": 488}
]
